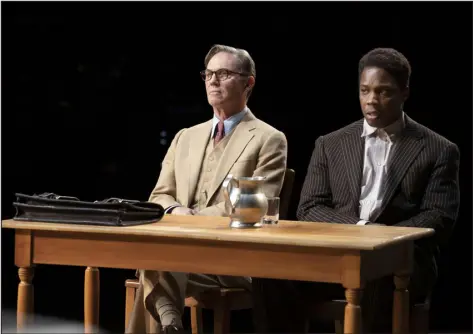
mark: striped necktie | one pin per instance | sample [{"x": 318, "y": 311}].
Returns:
[{"x": 220, "y": 133}]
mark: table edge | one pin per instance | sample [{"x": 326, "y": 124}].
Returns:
[{"x": 120, "y": 231}]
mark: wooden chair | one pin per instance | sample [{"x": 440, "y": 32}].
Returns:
[{"x": 224, "y": 300}]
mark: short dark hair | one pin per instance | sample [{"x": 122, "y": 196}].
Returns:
[
  {"x": 390, "y": 60},
  {"x": 247, "y": 64}
]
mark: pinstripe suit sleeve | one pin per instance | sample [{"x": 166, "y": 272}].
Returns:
[
  {"x": 316, "y": 197},
  {"x": 440, "y": 204}
]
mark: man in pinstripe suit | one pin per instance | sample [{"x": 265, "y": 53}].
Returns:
[{"x": 384, "y": 169}]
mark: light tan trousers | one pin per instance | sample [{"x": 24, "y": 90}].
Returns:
[{"x": 159, "y": 288}]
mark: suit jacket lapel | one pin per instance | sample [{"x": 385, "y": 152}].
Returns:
[
  {"x": 353, "y": 146},
  {"x": 198, "y": 143},
  {"x": 405, "y": 151},
  {"x": 239, "y": 140}
]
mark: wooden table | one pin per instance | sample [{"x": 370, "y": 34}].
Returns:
[{"x": 323, "y": 252}]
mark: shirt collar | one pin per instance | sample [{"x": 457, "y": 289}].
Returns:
[
  {"x": 228, "y": 124},
  {"x": 391, "y": 130}
]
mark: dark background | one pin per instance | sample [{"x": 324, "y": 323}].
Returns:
[{"x": 92, "y": 94}]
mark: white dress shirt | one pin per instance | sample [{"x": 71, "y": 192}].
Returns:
[{"x": 378, "y": 147}]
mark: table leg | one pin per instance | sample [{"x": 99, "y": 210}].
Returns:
[
  {"x": 353, "y": 311},
  {"x": 91, "y": 300},
  {"x": 401, "y": 304},
  {"x": 25, "y": 307}
]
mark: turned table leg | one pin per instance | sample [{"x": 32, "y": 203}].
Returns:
[
  {"x": 353, "y": 311},
  {"x": 401, "y": 304},
  {"x": 91, "y": 299},
  {"x": 25, "y": 305}
]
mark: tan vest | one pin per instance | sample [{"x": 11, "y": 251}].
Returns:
[{"x": 208, "y": 167}]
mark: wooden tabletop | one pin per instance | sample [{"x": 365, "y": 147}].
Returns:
[{"x": 310, "y": 234}]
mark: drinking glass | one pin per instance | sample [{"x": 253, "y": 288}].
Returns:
[{"x": 272, "y": 216}]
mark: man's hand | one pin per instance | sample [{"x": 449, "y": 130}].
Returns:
[{"x": 183, "y": 211}]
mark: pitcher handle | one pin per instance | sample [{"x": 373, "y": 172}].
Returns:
[{"x": 228, "y": 185}]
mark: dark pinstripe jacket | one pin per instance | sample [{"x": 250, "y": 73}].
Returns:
[{"x": 422, "y": 187}]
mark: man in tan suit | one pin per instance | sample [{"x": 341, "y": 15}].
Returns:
[{"x": 194, "y": 168}]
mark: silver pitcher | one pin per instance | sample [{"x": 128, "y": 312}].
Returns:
[{"x": 245, "y": 201}]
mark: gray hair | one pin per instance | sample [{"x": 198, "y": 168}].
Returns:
[{"x": 247, "y": 64}]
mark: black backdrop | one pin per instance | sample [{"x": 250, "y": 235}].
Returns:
[{"x": 92, "y": 94}]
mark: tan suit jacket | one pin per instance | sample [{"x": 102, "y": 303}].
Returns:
[{"x": 254, "y": 149}]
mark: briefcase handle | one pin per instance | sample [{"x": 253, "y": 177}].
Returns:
[
  {"x": 117, "y": 200},
  {"x": 54, "y": 196}
]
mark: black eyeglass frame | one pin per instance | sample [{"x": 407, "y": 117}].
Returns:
[{"x": 222, "y": 74}]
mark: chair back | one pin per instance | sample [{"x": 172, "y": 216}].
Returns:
[{"x": 286, "y": 193}]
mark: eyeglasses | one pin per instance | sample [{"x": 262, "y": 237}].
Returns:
[{"x": 221, "y": 74}]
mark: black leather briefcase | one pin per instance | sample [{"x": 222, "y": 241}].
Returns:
[{"x": 52, "y": 208}]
